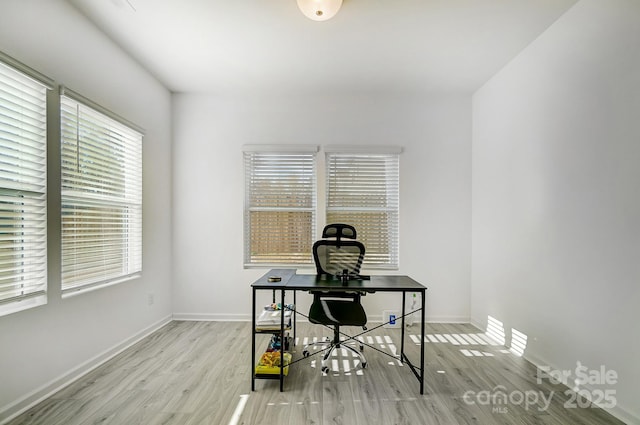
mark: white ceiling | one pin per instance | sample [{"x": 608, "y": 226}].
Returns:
[{"x": 371, "y": 45}]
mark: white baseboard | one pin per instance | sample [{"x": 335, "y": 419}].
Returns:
[
  {"x": 624, "y": 415},
  {"x": 21, "y": 405},
  {"x": 212, "y": 317},
  {"x": 477, "y": 325},
  {"x": 448, "y": 319},
  {"x": 377, "y": 318}
]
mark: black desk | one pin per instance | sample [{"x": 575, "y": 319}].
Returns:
[{"x": 291, "y": 281}]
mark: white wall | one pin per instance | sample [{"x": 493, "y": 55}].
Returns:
[
  {"x": 209, "y": 131},
  {"x": 555, "y": 205},
  {"x": 42, "y": 348}
]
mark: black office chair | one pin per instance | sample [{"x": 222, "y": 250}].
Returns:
[{"x": 340, "y": 260}]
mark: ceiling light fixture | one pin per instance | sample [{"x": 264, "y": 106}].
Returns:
[{"x": 319, "y": 10}]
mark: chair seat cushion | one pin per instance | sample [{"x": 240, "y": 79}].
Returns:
[{"x": 337, "y": 312}]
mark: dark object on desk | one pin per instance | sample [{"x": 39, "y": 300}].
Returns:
[
  {"x": 345, "y": 277},
  {"x": 339, "y": 259}
]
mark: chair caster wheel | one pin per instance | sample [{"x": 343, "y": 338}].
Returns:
[
  {"x": 305, "y": 353},
  {"x": 325, "y": 369}
]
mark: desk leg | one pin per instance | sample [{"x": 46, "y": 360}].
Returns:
[
  {"x": 294, "y": 314},
  {"x": 422, "y": 344},
  {"x": 282, "y": 341},
  {"x": 253, "y": 340},
  {"x": 404, "y": 293}
]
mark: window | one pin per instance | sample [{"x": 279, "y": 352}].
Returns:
[
  {"x": 363, "y": 190},
  {"x": 23, "y": 183},
  {"x": 280, "y": 205},
  {"x": 101, "y": 196}
]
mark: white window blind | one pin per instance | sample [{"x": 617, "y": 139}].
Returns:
[
  {"x": 23, "y": 183},
  {"x": 280, "y": 206},
  {"x": 363, "y": 190},
  {"x": 101, "y": 197}
]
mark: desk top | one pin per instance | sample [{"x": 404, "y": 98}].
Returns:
[
  {"x": 290, "y": 280},
  {"x": 284, "y": 275}
]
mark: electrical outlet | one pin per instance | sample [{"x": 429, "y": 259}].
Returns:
[{"x": 150, "y": 299}]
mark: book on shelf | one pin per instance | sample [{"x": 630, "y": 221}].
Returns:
[{"x": 270, "y": 319}]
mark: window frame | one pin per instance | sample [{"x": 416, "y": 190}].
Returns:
[
  {"x": 302, "y": 208},
  {"x": 380, "y": 232},
  {"x": 101, "y": 200},
  {"x": 23, "y": 185}
]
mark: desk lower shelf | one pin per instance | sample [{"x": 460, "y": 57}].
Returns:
[
  {"x": 271, "y": 369},
  {"x": 271, "y": 330},
  {"x": 268, "y": 366}
]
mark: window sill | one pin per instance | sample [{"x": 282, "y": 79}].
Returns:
[
  {"x": 79, "y": 290},
  {"x": 23, "y": 304}
]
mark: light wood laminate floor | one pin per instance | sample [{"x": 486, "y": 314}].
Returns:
[{"x": 199, "y": 373}]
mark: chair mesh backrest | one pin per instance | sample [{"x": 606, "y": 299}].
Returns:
[
  {"x": 333, "y": 260},
  {"x": 333, "y": 256}
]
